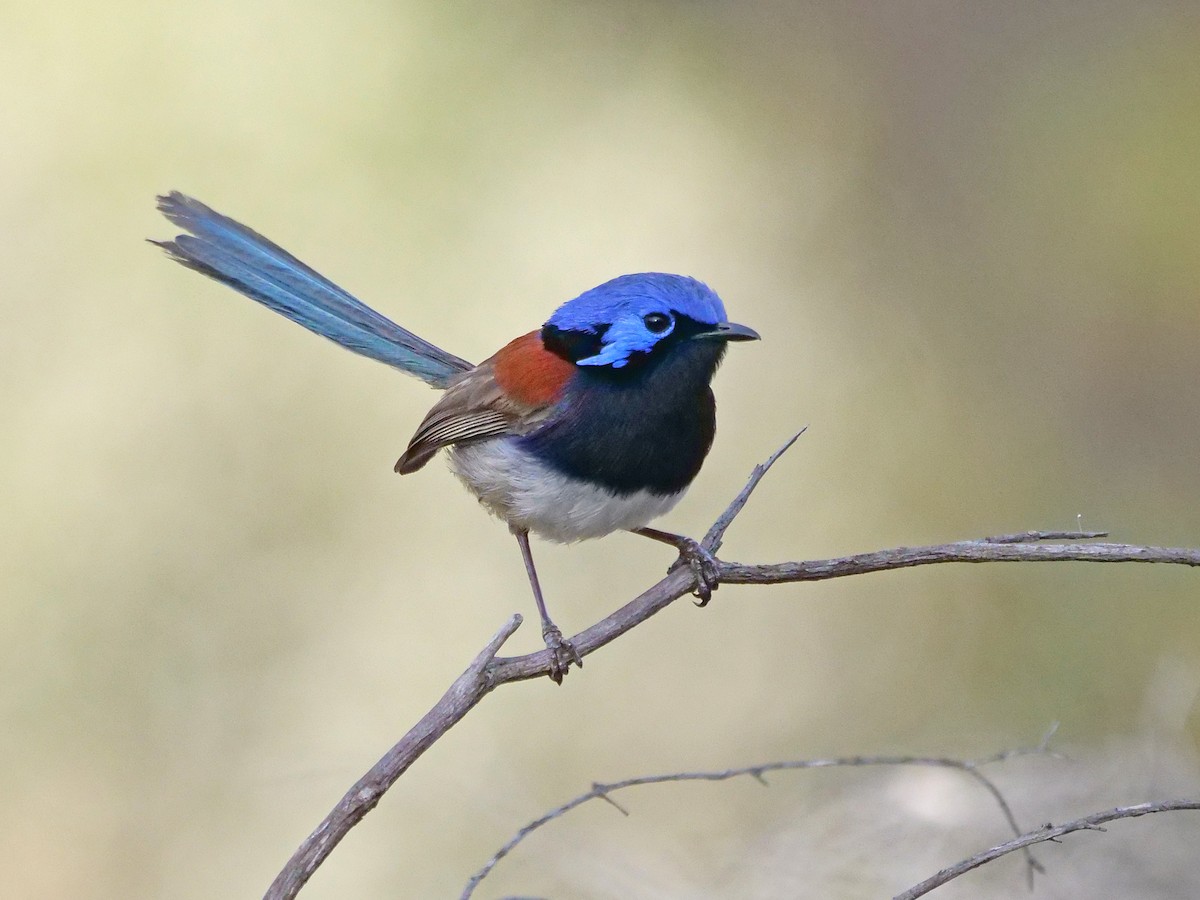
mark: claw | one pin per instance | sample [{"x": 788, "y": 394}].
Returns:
[
  {"x": 703, "y": 565},
  {"x": 564, "y": 653}
]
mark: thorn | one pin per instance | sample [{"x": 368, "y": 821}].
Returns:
[{"x": 601, "y": 791}]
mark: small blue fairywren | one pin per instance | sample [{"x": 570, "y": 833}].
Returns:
[{"x": 594, "y": 423}]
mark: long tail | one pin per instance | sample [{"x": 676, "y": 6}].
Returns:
[{"x": 231, "y": 253}]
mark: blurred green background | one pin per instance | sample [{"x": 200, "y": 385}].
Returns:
[{"x": 968, "y": 234}]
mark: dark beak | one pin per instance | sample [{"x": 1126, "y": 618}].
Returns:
[{"x": 731, "y": 331}]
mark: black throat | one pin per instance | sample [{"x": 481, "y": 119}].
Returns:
[{"x": 643, "y": 427}]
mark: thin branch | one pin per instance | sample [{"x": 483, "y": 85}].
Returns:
[
  {"x": 1032, "y": 866},
  {"x": 489, "y": 671},
  {"x": 468, "y": 689},
  {"x": 958, "y": 552},
  {"x": 604, "y": 791},
  {"x": 1025, "y": 537},
  {"x": 681, "y": 581},
  {"x": 1045, "y": 833},
  {"x": 713, "y": 539}
]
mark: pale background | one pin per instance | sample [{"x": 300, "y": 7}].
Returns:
[{"x": 968, "y": 234}]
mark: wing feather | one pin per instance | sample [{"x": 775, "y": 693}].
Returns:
[{"x": 473, "y": 407}]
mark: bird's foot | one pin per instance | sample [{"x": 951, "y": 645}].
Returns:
[
  {"x": 563, "y": 652},
  {"x": 704, "y": 567}
]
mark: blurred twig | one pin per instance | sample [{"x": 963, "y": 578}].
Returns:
[
  {"x": 605, "y": 791},
  {"x": 1093, "y": 822},
  {"x": 488, "y": 671}
]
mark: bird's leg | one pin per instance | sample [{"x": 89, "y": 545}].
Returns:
[
  {"x": 564, "y": 651},
  {"x": 702, "y": 563}
]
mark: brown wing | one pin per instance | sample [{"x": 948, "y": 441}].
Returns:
[{"x": 473, "y": 407}]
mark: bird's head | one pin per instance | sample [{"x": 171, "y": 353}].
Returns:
[{"x": 634, "y": 320}]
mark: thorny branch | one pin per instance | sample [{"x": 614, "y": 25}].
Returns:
[
  {"x": 1093, "y": 822},
  {"x": 487, "y": 671},
  {"x": 605, "y": 791}
]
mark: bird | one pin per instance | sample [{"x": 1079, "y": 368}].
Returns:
[{"x": 594, "y": 423}]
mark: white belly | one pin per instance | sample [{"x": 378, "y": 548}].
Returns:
[{"x": 528, "y": 494}]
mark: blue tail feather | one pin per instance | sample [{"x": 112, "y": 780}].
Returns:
[{"x": 233, "y": 254}]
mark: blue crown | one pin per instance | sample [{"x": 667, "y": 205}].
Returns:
[{"x": 638, "y": 295}]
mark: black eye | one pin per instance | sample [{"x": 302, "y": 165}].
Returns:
[{"x": 657, "y": 322}]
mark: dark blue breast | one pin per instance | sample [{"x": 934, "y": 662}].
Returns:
[{"x": 647, "y": 428}]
